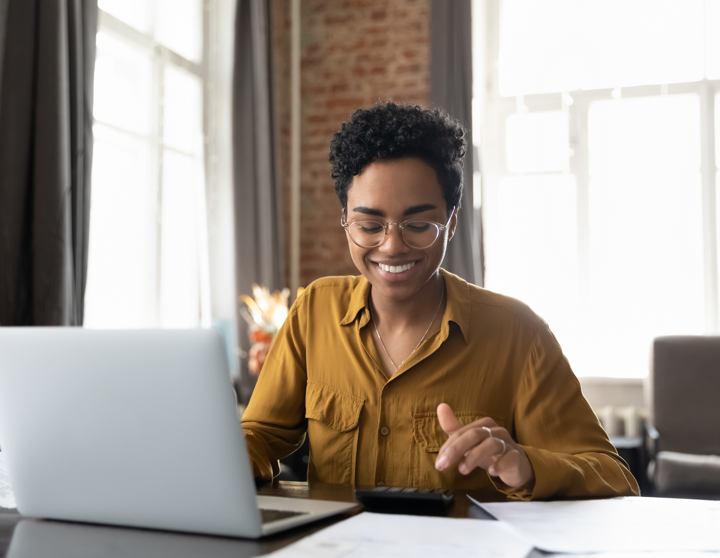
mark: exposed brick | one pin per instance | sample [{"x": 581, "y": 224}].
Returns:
[
  {"x": 355, "y": 53},
  {"x": 334, "y": 102}
]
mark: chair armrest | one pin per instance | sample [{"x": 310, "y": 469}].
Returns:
[{"x": 687, "y": 475}]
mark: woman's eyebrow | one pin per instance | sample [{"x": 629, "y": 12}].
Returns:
[
  {"x": 419, "y": 208},
  {"x": 409, "y": 211},
  {"x": 369, "y": 211}
]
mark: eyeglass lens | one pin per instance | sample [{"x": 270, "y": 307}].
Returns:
[{"x": 417, "y": 234}]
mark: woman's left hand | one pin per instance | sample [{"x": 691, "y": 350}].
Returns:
[{"x": 473, "y": 446}]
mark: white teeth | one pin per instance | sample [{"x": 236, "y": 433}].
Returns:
[{"x": 396, "y": 268}]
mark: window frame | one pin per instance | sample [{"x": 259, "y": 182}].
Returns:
[
  {"x": 492, "y": 110},
  {"x": 161, "y": 57}
]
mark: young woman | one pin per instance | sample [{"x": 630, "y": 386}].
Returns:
[{"x": 406, "y": 375}]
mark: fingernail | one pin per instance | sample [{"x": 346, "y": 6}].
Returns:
[
  {"x": 441, "y": 463},
  {"x": 491, "y": 470},
  {"x": 463, "y": 468}
]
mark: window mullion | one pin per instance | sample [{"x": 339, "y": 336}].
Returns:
[
  {"x": 580, "y": 167},
  {"x": 708, "y": 166},
  {"x": 158, "y": 161}
]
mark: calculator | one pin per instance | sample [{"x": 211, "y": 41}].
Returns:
[{"x": 397, "y": 498}]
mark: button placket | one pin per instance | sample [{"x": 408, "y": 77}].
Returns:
[{"x": 382, "y": 439}]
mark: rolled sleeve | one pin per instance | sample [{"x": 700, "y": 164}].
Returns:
[
  {"x": 274, "y": 421},
  {"x": 570, "y": 453}
]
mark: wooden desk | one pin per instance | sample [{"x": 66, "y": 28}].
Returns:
[{"x": 85, "y": 537}]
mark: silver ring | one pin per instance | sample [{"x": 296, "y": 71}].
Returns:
[
  {"x": 489, "y": 432},
  {"x": 504, "y": 448}
]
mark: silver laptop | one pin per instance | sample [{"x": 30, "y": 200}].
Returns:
[{"x": 136, "y": 428}]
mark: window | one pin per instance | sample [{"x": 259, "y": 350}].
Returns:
[
  {"x": 148, "y": 262},
  {"x": 599, "y": 150}
]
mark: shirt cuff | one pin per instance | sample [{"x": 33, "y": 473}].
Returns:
[
  {"x": 263, "y": 467},
  {"x": 545, "y": 466}
]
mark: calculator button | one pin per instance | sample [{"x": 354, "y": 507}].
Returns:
[
  {"x": 380, "y": 489},
  {"x": 395, "y": 489},
  {"x": 424, "y": 490},
  {"x": 409, "y": 489}
]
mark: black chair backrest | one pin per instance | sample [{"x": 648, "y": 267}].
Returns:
[{"x": 685, "y": 393}]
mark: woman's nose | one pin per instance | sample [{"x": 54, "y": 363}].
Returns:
[{"x": 394, "y": 242}]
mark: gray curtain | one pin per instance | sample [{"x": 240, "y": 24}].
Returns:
[
  {"x": 451, "y": 89},
  {"x": 46, "y": 90},
  {"x": 3, "y": 15},
  {"x": 258, "y": 228}
]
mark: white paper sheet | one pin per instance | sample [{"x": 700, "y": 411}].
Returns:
[
  {"x": 7, "y": 498},
  {"x": 373, "y": 535},
  {"x": 631, "y": 524},
  {"x": 672, "y": 554}
]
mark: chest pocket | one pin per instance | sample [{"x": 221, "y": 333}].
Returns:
[
  {"x": 333, "y": 416},
  {"x": 428, "y": 438}
]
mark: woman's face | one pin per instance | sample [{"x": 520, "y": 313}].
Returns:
[{"x": 394, "y": 191}]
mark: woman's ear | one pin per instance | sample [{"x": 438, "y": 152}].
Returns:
[{"x": 451, "y": 227}]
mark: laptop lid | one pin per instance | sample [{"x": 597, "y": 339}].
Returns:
[{"x": 133, "y": 427}]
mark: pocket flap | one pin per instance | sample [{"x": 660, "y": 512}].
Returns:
[
  {"x": 430, "y": 435},
  {"x": 332, "y": 406}
]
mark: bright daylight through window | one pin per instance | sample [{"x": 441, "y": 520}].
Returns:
[
  {"x": 148, "y": 252},
  {"x": 599, "y": 153}
]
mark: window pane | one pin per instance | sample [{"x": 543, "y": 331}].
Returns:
[
  {"x": 135, "y": 13},
  {"x": 180, "y": 272},
  {"x": 644, "y": 134},
  {"x": 120, "y": 290},
  {"x": 535, "y": 256},
  {"x": 538, "y": 46},
  {"x": 182, "y": 122},
  {"x": 712, "y": 39},
  {"x": 646, "y": 245},
  {"x": 123, "y": 85},
  {"x": 537, "y": 142},
  {"x": 562, "y": 45},
  {"x": 637, "y": 42},
  {"x": 178, "y": 26}
]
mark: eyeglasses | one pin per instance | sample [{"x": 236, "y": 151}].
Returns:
[{"x": 417, "y": 233}]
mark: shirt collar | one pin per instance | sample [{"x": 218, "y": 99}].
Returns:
[
  {"x": 458, "y": 302},
  {"x": 358, "y": 303}
]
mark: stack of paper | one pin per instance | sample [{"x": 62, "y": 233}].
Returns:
[
  {"x": 371, "y": 535},
  {"x": 625, "y": 525}
]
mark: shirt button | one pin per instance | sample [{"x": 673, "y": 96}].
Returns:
[
  {"x": 384, "y": 431},
  {"x": 381, "y": 483}
]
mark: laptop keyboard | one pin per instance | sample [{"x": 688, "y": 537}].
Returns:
[{"x": 274, "y": 515}]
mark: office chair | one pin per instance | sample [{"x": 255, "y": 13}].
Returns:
[{"x": 684, "y": 428}]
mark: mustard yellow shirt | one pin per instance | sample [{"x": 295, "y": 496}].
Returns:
[{"x": 492, "y": 357}]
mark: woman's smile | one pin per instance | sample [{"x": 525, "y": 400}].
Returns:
[{"x": 396, "y": 271}]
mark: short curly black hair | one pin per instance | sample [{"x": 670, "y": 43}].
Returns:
[{"x": 389, "y": 131}]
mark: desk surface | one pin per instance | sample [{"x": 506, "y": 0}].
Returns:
[{"x": 186, "y": 545}]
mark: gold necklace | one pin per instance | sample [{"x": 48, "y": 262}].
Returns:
[{"x": 442, "y": 295}]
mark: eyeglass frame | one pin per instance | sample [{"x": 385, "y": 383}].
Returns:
[{"x": 401, "y": 226}]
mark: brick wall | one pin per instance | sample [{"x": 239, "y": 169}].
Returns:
[{"x": 354, "y": 54}]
